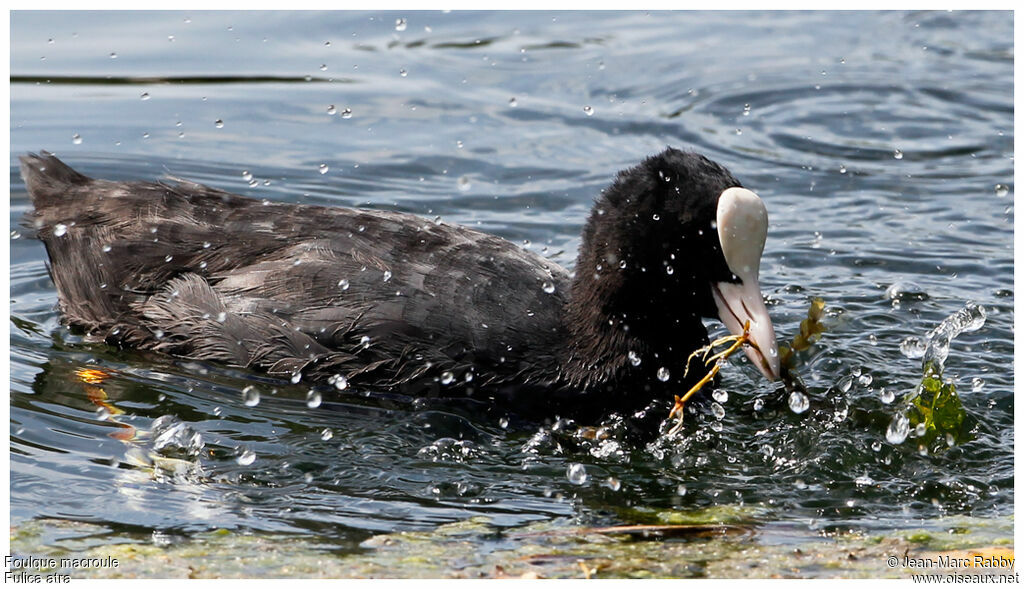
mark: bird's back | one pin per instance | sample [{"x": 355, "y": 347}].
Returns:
[{"x": 381, "y": 298}]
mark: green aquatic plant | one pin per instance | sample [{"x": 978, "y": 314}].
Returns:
[
  {"x": 811, "y": 329},
  {"x": 932, "y": 412},
  {"x": 810, "y": 332}
]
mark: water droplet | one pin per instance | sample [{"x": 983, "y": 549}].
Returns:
[
  {"x": 323, "y": 168},
  {"x": 503, "y": 423},
  {"x": 634, "y": 359},
  {"x": 343, "y": 283},
  {"x": 865, "y": 379},
  {"x": 758, "y": 404},
  {"x": 168, "y": 258},
  {"x": 222, "y": 317},
  {"x": 313, "y": 399},
  {"x": 76, "y": 139},
  {"x": 346, "y": 113},
  {"x": 576, "y": 473},
  {"x": 898, "y": 430},
  {"x": 1002, "y": 190},
  {"x": 842, "y": 169},
  {"x": 323, "y": 67},
  {"x": 798, "y": 402},
  {"x": 246, "y": 458},
  {"x": 464, "y": 184},
  {"x": 144, "y": 96},
  {"x": 59, "y": 230},
  {"x": 250, "y": 396},
  {"x": 331, "y": 110},
  {"x": 669, "y": 270},
  {"x": 247, "y": 175},
  {"x": 387, "y": 275},
  {"x": 663, "y": 374},
  {"x": 296, "y": 377},
  {"x": 113, "y": 55},
  {"x": 447, "y": 377},
  {"x": 400, "y": 24},
  {"x": 886, "y": 396},
  {"x": 912, "y": 347},
  {"x": 106, "y": 248},
  {"x": 919, "y": 430},
  {"x": 103, "y": 414},
  {"x": 864, "y": 481},
  {"x": 613, "y": 483},
  {"x": 365, "y": 341},
  {"x": 977, "y": 384},
  {"x": 512, "y": 102},
  {"x": 720, "y": 395},
  {"x": 339, "y": 381},
  {"x": 326, "y": 434},
  {"x": 548, "y": 287},
  {"x": 588, "y": 110},
  {"x": 897, "y": 154},
  {"x": 403, "y": 73},
  {"x": 717, "y": 410},
  {"x": 219, "y": 124}
]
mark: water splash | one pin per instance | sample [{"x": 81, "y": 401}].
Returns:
[
  {"x": 449, "y": 450},
  {"x": 174, "y": 438},
  {"x": 971, "y": 318}
]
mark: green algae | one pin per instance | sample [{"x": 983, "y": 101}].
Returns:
[
  {"x": 715, "y": 514},
  {"x": 935, "y": 407}
]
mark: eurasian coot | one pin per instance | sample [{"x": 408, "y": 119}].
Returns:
[{"x": 387, "y": 300}]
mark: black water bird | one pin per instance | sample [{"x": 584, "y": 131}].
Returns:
[{"x": 387, "y": 300}]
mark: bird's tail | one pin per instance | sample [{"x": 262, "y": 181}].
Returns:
[{"x": 47, "y": 178}]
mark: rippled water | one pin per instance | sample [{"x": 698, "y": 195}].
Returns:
[{"x": 882, "y": 144}]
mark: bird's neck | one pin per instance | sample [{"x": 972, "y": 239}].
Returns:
[{"x": 625, "y": 333}]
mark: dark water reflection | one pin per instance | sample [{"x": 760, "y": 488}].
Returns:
[{"x": 876, "y": 139}]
